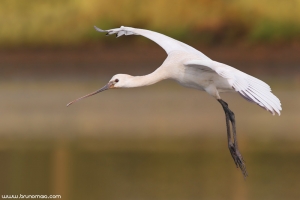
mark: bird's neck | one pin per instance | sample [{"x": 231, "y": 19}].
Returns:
[{"x": 150, "y": 79}]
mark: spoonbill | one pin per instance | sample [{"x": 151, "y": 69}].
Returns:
[{"x": 191, "y": 68}]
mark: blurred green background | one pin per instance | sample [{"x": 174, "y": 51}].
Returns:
[
  {"x": 70, "y": 22},
  {"x": 158, "y": 142}
]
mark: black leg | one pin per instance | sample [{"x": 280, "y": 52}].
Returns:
[{"x": 232, "y": 144}]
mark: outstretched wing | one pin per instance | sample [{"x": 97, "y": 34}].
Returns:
[
  {"x": 167, "y": 43},
  {"x": 251, "y": 88}
]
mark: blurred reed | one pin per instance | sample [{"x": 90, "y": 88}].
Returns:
[{"x": 66, "y": 22}]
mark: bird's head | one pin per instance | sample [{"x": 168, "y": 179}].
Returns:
[
  {"x": 120, "y": 81},
  {"x": 117, "y": 81}
]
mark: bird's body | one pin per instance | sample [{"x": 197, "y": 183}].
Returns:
[
  {"x": 191, "y": 68},
  {"x": 200, "y": 78},
  {"x": 193, "y": 77}
]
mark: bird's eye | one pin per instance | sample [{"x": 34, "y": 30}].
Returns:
[{"x": 117, "y": 80}]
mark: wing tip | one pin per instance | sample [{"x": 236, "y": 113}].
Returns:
[
  {"x": 276, "y": 109},
  {"x": 279, "y": 111},
  {"x": 274, "y": 112},
  {"x": 99, "y": 29},
  {"x": 272, "y": 108}
]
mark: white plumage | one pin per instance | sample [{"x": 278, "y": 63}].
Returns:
[
  {"x": 251, "y": 88},
  {"x": 191, "y": 68},
  {"x": 184, "y": 56}
]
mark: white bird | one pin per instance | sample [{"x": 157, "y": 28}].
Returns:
[{"x": 191, "y": 68}]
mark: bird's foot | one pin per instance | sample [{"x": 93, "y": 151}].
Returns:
[{"x": 238, "y": 159}]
